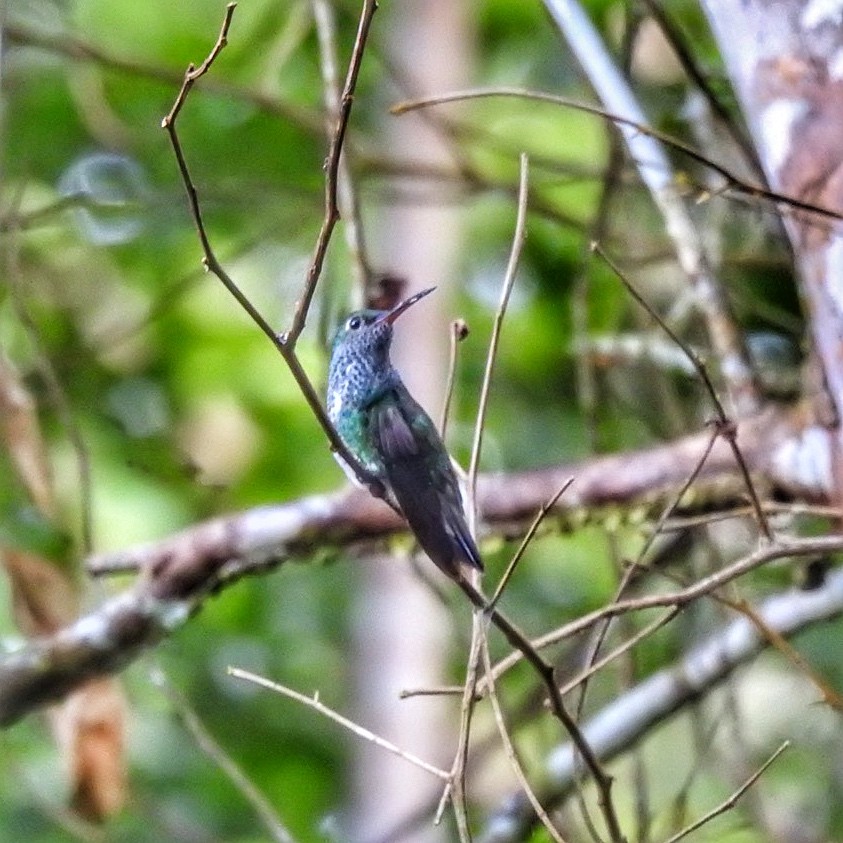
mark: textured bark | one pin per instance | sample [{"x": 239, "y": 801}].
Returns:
[
  {"x": 785, "y": 453},
  {"x": 785, "y": 60}
]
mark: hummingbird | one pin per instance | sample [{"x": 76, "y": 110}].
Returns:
[{"x": 392, "y": 437}]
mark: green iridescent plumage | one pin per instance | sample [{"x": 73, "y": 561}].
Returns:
[{"x": 394, "y": 438}]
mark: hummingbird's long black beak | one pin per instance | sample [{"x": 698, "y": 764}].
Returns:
[{"x": 391, "y": 315}]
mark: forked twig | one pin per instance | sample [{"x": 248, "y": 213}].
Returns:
[
  {"x": 284, "y": 343},
  {"x": 360, "y": 731},
  {"x": 725, "y": 426},
  {"x": 547, "y": 674},
  {"x": 781, "y": 549}
]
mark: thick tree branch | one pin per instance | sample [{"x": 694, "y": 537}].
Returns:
[{"x": 180, "y": 572}]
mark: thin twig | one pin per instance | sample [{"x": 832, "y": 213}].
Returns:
[
  {"x": 734, "y": 182},
  {"x": 830, "y": 697},
  {"x": 571, "y": 684},
  {"x": 483, "y": 610},
  {"x": 332, "y": 164},
  {"x": 628, "y": 644},
  {"x": 725, "y": 426},
  {"x": 438, "y": 691},
  {"x": 204, "y": 740},
  {"x": 459, "y": 331},
  {"x": 547, "y": 674},
  {"x": 732, "y": 800},
  {"x": 633, "y": 569},
  {"x": 455, "y": 789},
  {"x": 360, "y": 731},
  {"x": 771, "y": 508},
  {"x": 525, "y": 542},
  {"x": 284, "y": 343},
  {"x": 347, "y": 200},
  {"x": 509, "y": 279},
  {"x": 782, "y": 549},
  {"x": 511, "y": 754}
]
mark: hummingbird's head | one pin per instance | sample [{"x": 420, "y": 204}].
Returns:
[
  {"x": 369, "y": 332},
  {"x": 360, "y": 356}
]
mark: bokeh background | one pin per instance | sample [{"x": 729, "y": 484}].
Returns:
[{"x": 185, "y": 410}]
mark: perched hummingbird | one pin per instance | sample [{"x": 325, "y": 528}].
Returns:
[{"x": 383, "y": 426}]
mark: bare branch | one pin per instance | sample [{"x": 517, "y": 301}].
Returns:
[
  {"x": 547, "y": 675},
  {"x": 525, "y": 542},
  {"x": 627, "y": 720},
  {"x": 314, "y": 703},
  {"x": 182, "y": 571},
  {"x": 285, "y": 344},
  {"x": 732, "y": 800},
  {"x": 332, "y": 165},
  {"x": 725, "y": 426},
  {"x": 347, "y": 200},
  {"x": 455, "y": 790},
  {"x": 830, "y": 697},
  {"x": 733, "y": 181},
  {"x": 518, "y": 239},
  {"x": 511, "y": 754},
  {"x": 778, "y": 446},
  {"x": 782, "y": 549}
]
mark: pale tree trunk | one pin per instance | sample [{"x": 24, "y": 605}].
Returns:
[
  {"x": 785, "y": 60},
  {"x": 403, "y": 630}
]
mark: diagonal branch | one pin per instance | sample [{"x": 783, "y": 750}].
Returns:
[
  {"x": 332, "y": 167},
  {"x": 284, "y": 343},
  {"x": 657, "y": 174},
  {"x": 179, "y": 573},
  {"x": 725, "y": 427},
  {"x": 628, "y": 719}
]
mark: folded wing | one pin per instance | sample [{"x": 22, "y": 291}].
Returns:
[{"x": 419, "y": 472}]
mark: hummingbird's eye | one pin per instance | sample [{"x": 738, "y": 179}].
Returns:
[{"x": 354, "y": 323}]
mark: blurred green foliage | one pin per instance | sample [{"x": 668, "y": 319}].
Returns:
[{"x": 187, "y": 411}]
